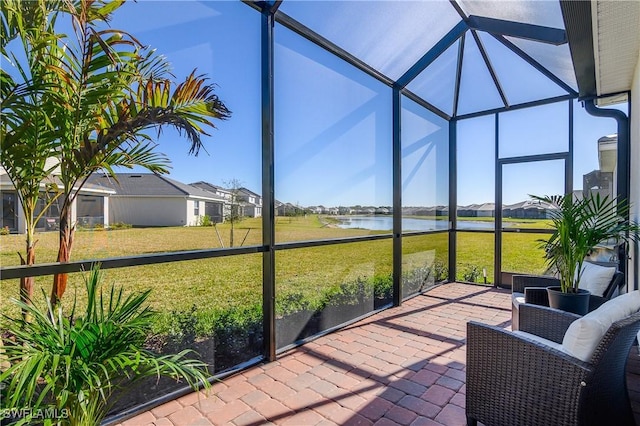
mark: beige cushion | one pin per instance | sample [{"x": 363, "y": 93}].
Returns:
[
  {"x": 517, "y": 298},
  {"x": 584, "y": 334},
  {"x": 596, "y": 278}
]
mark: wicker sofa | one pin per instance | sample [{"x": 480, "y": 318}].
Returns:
[
  {"x": 533, "y": 289},
  {"x": 528, "y": 377}
]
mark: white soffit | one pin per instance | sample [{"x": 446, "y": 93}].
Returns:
[{"x": 616, "y": 33}]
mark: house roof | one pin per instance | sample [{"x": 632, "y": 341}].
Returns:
[
  {"x": 87, "y": 188},
  {"x": 150, "y": 184},
  {"x": 249, "y": 192},
  {"x": 208, "y": 186},
  {"x": 530, "y": 204}
]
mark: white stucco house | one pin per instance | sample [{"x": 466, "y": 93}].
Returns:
[
  {"x": 149, "y": 199},
  {"x": 252, "y": 202},
  {"x": 90, "y": 208},
  {"x": 248, "y": 201}
]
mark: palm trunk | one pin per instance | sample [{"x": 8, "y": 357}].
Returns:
[
  {"x": 64, "y": 253},
  {"x": 26, "y": 283}
]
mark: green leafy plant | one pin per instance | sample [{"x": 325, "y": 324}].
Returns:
[
  {"x": 471, "y": 273},
  {"x": 120, "y": 225},
  {"x": 205, "y": 220},
  {"x": 579, "y": 225},
  {"x": 440, "y": 271},
  {"x": 184, "y": 326},
  {"x": 72, "y": 365}
]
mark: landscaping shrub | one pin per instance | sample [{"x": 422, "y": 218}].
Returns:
[
  {"x": 96, "y": 227},
  {"x": 383, "y": 287},
  {"x": 120, "y": 225},
  {"x": 205, "y": 220},
  {"x": 417, "y": 280},
  {"x": 290, "y": 303},
  {"x": 236, "y": 332},
  {"x": 440, "y": 271},
  {"x": 471, "y": 273}
]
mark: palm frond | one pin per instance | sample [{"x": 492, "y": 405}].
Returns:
[
  {"x": 579, "y": 225},
  {"x": 78, "y": 364}
]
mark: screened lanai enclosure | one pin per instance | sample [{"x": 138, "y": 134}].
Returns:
[{"x": 390, "y": 146}]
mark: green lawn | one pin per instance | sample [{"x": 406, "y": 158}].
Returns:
[{"x": 221, "y": 283}]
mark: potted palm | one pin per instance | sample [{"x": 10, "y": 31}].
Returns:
[{"x": 579, "y": 225}]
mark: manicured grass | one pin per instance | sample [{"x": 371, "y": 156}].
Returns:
[
  {"x": 520, "y": 253},
  {"x": 221, "y": 283},
  {"x": 217, "y": 283}
]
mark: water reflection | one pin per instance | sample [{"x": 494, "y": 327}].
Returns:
[{"x": 385, "y": 223}]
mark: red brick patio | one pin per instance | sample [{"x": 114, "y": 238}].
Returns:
[{"x": 403, "y": 366}]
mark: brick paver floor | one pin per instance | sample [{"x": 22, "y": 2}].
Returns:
[{"x": 403, "y": 366}]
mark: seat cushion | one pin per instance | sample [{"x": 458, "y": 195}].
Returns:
[
  {"x": 596, "y": 278},
  {"x": 517, "y": 298},
  {"x": 584, "y": 334}
]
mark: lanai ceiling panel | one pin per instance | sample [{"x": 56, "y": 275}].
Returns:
[
  {"x": 388, "y": 35},
  {"x": 520, "y": 81},
  {"x": 556, "y": 59},
  {"x": 522, "y": 54},
  {"x": 538, "y": 12},
  {"x": 478, "y": 91},
  {"x": 437, "y": 83}
]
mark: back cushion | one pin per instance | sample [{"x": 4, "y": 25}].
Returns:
[
  {"x": 584, "y": 334},
  {"x": 596, "y": 278}
]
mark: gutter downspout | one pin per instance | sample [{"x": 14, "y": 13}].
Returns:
[{"x": 623, "y": 162}]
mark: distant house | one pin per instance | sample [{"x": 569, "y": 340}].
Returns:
[
  {"x": 285, "y": 209},
  {"x": 530, "y": 209},
  {"x": 316, "y": 209},
  {"x": 90, "y": 208},
  {"x": 602, "y": 180},
  {"x": 288, "y": 209},
  {"x": 486, "y": 210},
  {"x": 468, "y": 211},
  {"x": 252, "y": 202},
  {"x": 217, "y": 211},
  {"x": 249, "y": 203},
  {"x": 149, "y": 199}
]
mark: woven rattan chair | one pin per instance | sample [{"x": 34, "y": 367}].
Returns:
[
  {"x": 516, "y": 380},
  {"x": 533, "y": 289}
]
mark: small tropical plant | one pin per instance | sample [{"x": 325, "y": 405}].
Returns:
[
  {"x": 73, "y": 365},
  {"x": 579, "y": 225},
  {"x": 205, "y": 221}
]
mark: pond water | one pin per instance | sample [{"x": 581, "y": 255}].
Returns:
[{"x": 385, "y": 223}]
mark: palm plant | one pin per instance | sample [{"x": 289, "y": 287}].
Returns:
[
  {"x": 101, "y": 91},
  {"x": 27, "y": 136},
  {"x": 73, "y": 365},
  {"x": 579, "y": 225}
]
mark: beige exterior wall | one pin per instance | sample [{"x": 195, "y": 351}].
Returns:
[
  {"x": 192, "y": 219},
  {"x": 149, "y": 211}
]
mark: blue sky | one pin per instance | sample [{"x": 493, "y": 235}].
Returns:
[{"x": 333, "y": 124}]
